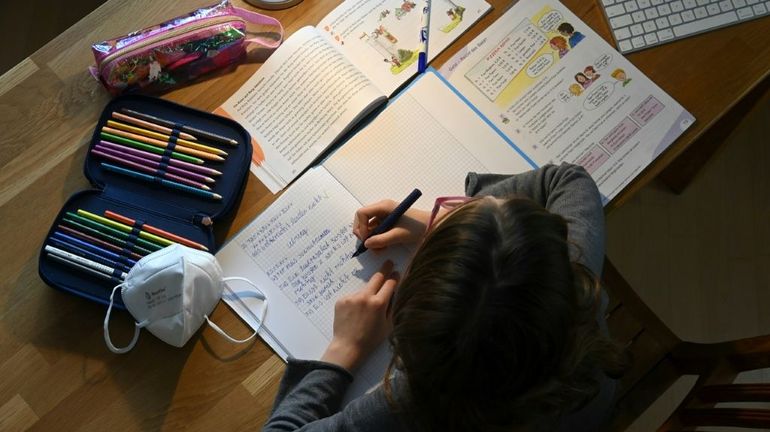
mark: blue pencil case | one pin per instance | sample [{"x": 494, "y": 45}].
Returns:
[{"x": 109, "y": 224}]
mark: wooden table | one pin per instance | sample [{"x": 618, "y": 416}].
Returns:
[{"x": 55, "y": 371}]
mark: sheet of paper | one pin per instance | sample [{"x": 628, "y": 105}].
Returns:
[
  {"x": 382, "y": 37},
  {"x": 298, "y": 252},
  {"x": 304, "y": 96},
  {"x": 427, "y": 138},
  {"x": 561, "y": 93}
]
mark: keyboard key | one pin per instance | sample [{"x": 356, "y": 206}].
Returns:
[
  {"x": 636, "y": 30},
  {"x": 622, "y": 33},
  {"x": 713, "y": 9},
  {"x": 638, "y": 16},
  {"x": 745, "y": 13},
  {"x": 767, "y": 5},
  {"x": 703, "y": 2},
  {"x": 661, "y": 22},
  {"x": 665, "y": 35},
  {"x": 649, "y": 26},
  {"x": 656, "y": 2},
  {"x": 759, "y": 9},
  {"x": 664, "y": 9},
  {"x": 625, "y": 45},
  {"x": 687, "y": 16},
  {"x": 700, "y": 13},
  {"x": 651, "y": 13},
  {"x": 608, "y": 2},
  {"x": 726, "y": 5},
  {"x": 677, "y": 6},
  {"x": 631, "y": 6},
  {"x": 643, "y": 4},
  {"x": 739, "y": 3},
  {"x": 689, "y": 4},
  {"x": 650, "y": 38},
  {"x": 753, "y": 2},
  {"x": 621, "y": 21},
  {"x": 615, "y": 10},
  {"x": 705, "y": 24},
  {"x": 674, "y": 19},
  {"x": 638, "y": 42}
]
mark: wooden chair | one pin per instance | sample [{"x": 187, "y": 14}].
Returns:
[{"x": 659, "y": 358}]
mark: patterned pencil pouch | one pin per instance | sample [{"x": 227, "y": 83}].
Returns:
[{"x": 177, "y": 51}]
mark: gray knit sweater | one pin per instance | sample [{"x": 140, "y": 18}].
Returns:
[{"x": 310, "y": 394}]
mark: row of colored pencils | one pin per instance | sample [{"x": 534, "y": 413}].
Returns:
[
  {"x": 136, "y": 145},
  {"x": 106, "y": 246}
]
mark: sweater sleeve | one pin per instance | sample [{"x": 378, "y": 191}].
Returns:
[
  {"x": 311, "y": 394},
  {"x": 566, "y": 190}
]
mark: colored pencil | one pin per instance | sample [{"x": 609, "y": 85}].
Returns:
[
  {"x": 138, "y": 253},
  {"x": 150, "y": 125},
  {"x": 154, "y": 164},
  {"x": 199, "y": 132},
  {"x": 85, "y": 248},
  {"x": 117, "y": 233},
  {"x": 85, "y": 237},
  {"x": 167, "y": 138},
  {"x": 125, "y": 228},
  {"x": 151, "y": 179},
  {"x": 151, "y": 148},
  {"x": 69, "y": 245},
  {"x": 151, "y": 229},
  {"x": 147, "y": 169},
  {"x": 84, "y": 261},
  {"x": 156, "y": 157},
  {"x": 162, "y": 144},
  {"x": 82, "y": 268}
]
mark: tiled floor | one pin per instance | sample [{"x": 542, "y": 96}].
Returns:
[{"x": 699, "y": 259}]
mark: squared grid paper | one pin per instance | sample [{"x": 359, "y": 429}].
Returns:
[
  {"x": 304, "y": 243},
  {"x": 406, "y": 147}
]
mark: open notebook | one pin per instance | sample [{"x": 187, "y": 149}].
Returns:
[{"x": 299, "y": 249}]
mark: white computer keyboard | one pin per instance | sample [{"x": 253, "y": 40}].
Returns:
[{"x": 639, "y": 24}]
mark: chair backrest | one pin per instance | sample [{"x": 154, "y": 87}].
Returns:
[{"x": 659, "y": 358}]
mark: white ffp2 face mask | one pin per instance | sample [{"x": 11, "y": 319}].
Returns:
[{"x": 171, "y": 292}]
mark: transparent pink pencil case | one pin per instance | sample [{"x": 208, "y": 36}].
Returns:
[{"x": 179, "y": 50}]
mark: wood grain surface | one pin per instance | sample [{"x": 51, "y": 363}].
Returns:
[{"x": 55, "y": 371}]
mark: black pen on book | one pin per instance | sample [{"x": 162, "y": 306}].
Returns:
[{"x": 391, "y": 219}]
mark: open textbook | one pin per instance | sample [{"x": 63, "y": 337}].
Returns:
[
  {"x": 561, "y": 93},
  {"x": 299, "y": 249},
  {"x": 324, "y": 79}
]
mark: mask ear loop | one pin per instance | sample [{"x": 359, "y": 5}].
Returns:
[
  {"x": 261, "y": 319},
  {"x": 107, "y": 340}
]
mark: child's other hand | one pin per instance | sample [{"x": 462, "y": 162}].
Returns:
[{"x": 362, "y": 320}]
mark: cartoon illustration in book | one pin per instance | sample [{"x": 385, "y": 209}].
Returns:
[
  {"x": 583, "y": 80},
  {"x": 576, "y": 89},
  {"x": 620, "y": 75},
  {"x": 590, "y": 73},
  {"x": 384, "y": 42},
  {"x": 559, "y": 44},
  {"x": 565, "y": 29},
  {"x": 404, "y": 9},
  {"x": 335, "y": 36},
  {"x": 383, "y": 14},
  {"x": 455, "y": 14}
]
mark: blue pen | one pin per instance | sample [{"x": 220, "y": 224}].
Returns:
[
  {"x": 392, "y": 218},
  {"x": 152, "y": 179},
  {"x": 422, "y": 57}
]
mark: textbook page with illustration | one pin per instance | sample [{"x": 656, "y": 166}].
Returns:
[
  {"x": 561, "y": 93},
  {"x": 298, "y": 251},
  {"x": 322, "y": 80}
]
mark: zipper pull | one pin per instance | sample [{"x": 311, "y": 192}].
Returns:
[{"x": 205, "y": 220}]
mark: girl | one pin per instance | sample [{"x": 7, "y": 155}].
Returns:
[{"x": 498, "y": 324}]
